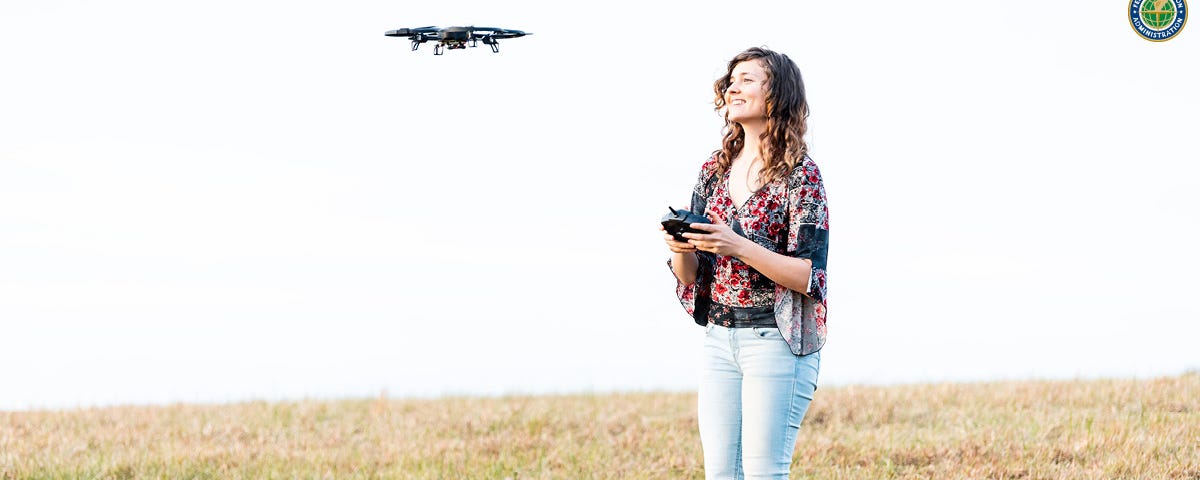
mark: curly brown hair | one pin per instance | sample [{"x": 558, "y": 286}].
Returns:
[{"x": 781, "y": 145}]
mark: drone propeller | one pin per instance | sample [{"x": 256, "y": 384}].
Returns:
[
  {"x": 509, "y": 34},
  {"x": 412, "y": 32}
]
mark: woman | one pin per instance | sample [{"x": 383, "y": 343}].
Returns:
[{"x": 755, "y": 277}]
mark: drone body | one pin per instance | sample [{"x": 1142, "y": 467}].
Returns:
[{"x": 455, "y": 38}]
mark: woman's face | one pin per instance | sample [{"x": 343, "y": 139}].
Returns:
[{"x": 746, "y": 97}]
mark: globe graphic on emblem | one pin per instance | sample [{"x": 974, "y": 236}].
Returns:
[{"x": 1158, "y": 14}]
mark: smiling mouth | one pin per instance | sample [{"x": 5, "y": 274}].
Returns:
[{"x": 738, "y": 102}]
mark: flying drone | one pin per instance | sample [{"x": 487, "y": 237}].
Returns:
[{"x": 455, "y": 38}]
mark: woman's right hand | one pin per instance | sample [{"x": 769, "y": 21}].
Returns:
[{"x": 675, "y": 245}]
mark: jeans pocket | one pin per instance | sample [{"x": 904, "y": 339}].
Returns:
[{"x": 767, "y": 332}]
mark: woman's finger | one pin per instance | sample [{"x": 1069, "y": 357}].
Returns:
[
  {"x": 672, "y": 240},
  {"x": 707, "y": 227}
]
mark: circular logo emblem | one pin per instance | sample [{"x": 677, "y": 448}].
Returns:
[{"x": 1157, "y": 20}]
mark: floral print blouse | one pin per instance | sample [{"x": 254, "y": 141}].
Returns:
[{"x": 788, "y": 216}]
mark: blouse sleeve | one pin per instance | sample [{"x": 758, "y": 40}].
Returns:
[
  {"x": 697, "y": 293},
  {"x": 808, "y": 224}
]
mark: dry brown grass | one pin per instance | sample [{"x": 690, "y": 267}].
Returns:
[{"x": 1010, "y": 430}]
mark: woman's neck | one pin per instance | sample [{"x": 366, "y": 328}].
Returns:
[{"x": 750, "y": 137}]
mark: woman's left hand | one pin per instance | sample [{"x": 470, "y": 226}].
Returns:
[{"x": 718, "y": 237}]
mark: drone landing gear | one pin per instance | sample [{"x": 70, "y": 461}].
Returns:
[
  {"x": 439, "y": 49},
  {"x": 415, "y": 45},
  {"x": 491, "y": 42}
]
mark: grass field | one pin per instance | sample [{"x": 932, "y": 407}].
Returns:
[{"x": 1095, "y": 429}]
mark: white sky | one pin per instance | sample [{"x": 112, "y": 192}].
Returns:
[{"x": 267, "y": 199}]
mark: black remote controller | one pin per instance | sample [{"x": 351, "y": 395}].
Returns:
[{"x": 680, "y": 221}]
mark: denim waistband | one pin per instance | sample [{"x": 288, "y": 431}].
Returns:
[{"x": 741, "y": 317}]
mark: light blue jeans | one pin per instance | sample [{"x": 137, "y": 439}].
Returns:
[{"x": 753, "y": 394}]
